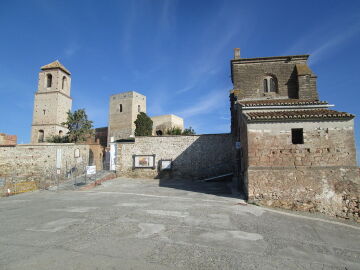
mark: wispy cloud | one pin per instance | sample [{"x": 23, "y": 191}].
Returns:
[
  {"x": 71, "y": 49},
  {"x": 206, "y": 105},
  {"x": 334, "y": 43},
  {"x": 324, "y": 40}
]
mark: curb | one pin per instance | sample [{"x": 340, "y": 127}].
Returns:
[{"x": 98, "y": 182}]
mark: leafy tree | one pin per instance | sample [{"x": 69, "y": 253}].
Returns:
[
  {"x": 188, "y": 131},
  {"x": 58, "y": 139},
  {"x": 173, "y": 131},
  {"x": 78, "y": 125},
  {"x": 143, "y": 124}
]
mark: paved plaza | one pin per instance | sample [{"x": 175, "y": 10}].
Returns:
[{"x": 152, "y": 224}]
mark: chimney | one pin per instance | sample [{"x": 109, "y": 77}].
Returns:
[{"x": 237, "y": 53}]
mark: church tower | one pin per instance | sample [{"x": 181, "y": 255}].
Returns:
[{"x": 52, "y": 102}]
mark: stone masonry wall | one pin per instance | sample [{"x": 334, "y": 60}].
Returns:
[
  {"x": 248, "y": 78},
  {"x": 319, "y": 175},
  {"x": 37, "y": 162},
  {"x": 194, "y": 157},
  {"x": 333, "y": 191},
  {"x": 325, "y": 144}
]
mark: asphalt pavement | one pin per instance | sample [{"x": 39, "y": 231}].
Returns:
[{"x": 152, "y": 224}]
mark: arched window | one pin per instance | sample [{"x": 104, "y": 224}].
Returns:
[
  {"x": 41, "y": 136},
  {"x": 159, "y": 133},
  {"x": 63, "y": 83},
  {"x": 49, "y": 80},
  {"x": 138, "y": 108},
  {"x": 120, "y": 107},
  {"x": 270, "y": 84},
  {"x": 60, "y": 133}
]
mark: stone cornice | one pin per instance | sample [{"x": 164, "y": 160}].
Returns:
[{"x": 53, "y": 92}]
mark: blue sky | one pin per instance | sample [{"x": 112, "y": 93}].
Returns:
[{"x": 175, "y": 52}]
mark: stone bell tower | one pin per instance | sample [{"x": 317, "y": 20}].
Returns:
[{"x": 52, "y": 102}]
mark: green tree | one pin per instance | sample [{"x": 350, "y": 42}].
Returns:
[
  {"x": 143, "y": 124},
  {"x": 58, "y": 139},
  {"x": 173, "y": 131},
  {"x": 188, "y": 131},
  {"x": 78, "y": 125}
]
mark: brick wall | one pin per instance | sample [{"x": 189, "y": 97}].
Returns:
[
  {"x": 248, "y": 78},
  {"x": 319, "y": 175},
  {"x": 194, "y": 157},
  {"x": 325, "y": 144},
  {"x": 9, "y": 140}
]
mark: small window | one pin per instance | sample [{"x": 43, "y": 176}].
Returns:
[
  {"x": 60, "y": 133},
  {"x": 49, "y": 80},
  {"x": 138, "y": 108},
  {"x": 270, "y": 84},
  {"x": 44, "y": 111},
  {"x": 159, "y": 133},
  {"x": 63, "y": 83},
  {"x": 120, "y": 107},
  {"x": 297, "y": 136},
  {"x": 41, "y": 136}
]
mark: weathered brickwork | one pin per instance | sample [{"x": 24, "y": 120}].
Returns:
[
  {"x": 24, "y": 163},
  {"x": 333, "y": 191},
  {"x": 248, "y": 77},
  {"x": 6, "y": 139},
  {"x": 194, "y": 157},
  {"x": 325, "y": 144}
]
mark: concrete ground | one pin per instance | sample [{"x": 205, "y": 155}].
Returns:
[{"x": 147, "y": 224}]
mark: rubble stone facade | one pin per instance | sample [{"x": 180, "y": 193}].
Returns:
[{"x": 296, "y": 152}]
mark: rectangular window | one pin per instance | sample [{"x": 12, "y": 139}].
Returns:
[
  {"x": 297, "y": 136},
  {"x": 120, "y": 107}
]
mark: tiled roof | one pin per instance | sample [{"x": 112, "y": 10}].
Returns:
[
  {"x": 297, "y": 115},
  {"x": 280, "y": 102},
  {"x": 56, "y": 64}
]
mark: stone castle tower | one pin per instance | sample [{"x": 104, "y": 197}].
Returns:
[
  {"x": 52, "y": 102},
  {"x": 123, "y": 111}
]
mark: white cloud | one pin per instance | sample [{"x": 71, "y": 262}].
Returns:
[{"x": 207, "y": 104}]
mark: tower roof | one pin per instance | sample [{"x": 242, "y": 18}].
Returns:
[{"x": 56, "y": 64}]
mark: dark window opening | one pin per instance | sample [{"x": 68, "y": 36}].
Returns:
[
  {"x": 272, "y": 85},
  {"x": 41, "y": 136},
  {"x": 63, "y": 82},
  {"x": 159, "y": 133},
  {"x": 44, "y": 111},
  {"x": 120, "y": 107},
  {"x": 49, "y": 80},
  {"x": 60, "y": 133},
  {"x": 265, "y": 86},
  {"x": 297, "y": 136},
  {"x": 138, "y": 108}
]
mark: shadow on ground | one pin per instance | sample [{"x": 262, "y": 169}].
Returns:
[{"x": 220, "y": 187}]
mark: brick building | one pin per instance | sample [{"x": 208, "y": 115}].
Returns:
[{"x": 294, "y": 151}]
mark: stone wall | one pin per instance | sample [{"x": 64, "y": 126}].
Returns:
[
  {"x": 9, "y": 140},
  {"x": 23, "y": 163},
  {"x": 326, "y": 143},
  {"x": 194, "y": 156},
  {"x": 164, "y": 122},
  {"x": 319, "y": 175},
  {"x": 123, "y": 111},
  {"x": 333, "y": 191},
  {"x": 248, "y": 77}
]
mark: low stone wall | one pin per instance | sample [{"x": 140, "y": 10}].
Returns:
[
  {"x": 26, "y": 163},
  {"x": 333, "y": 191},
  {"x": 193, "y": 156}
]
